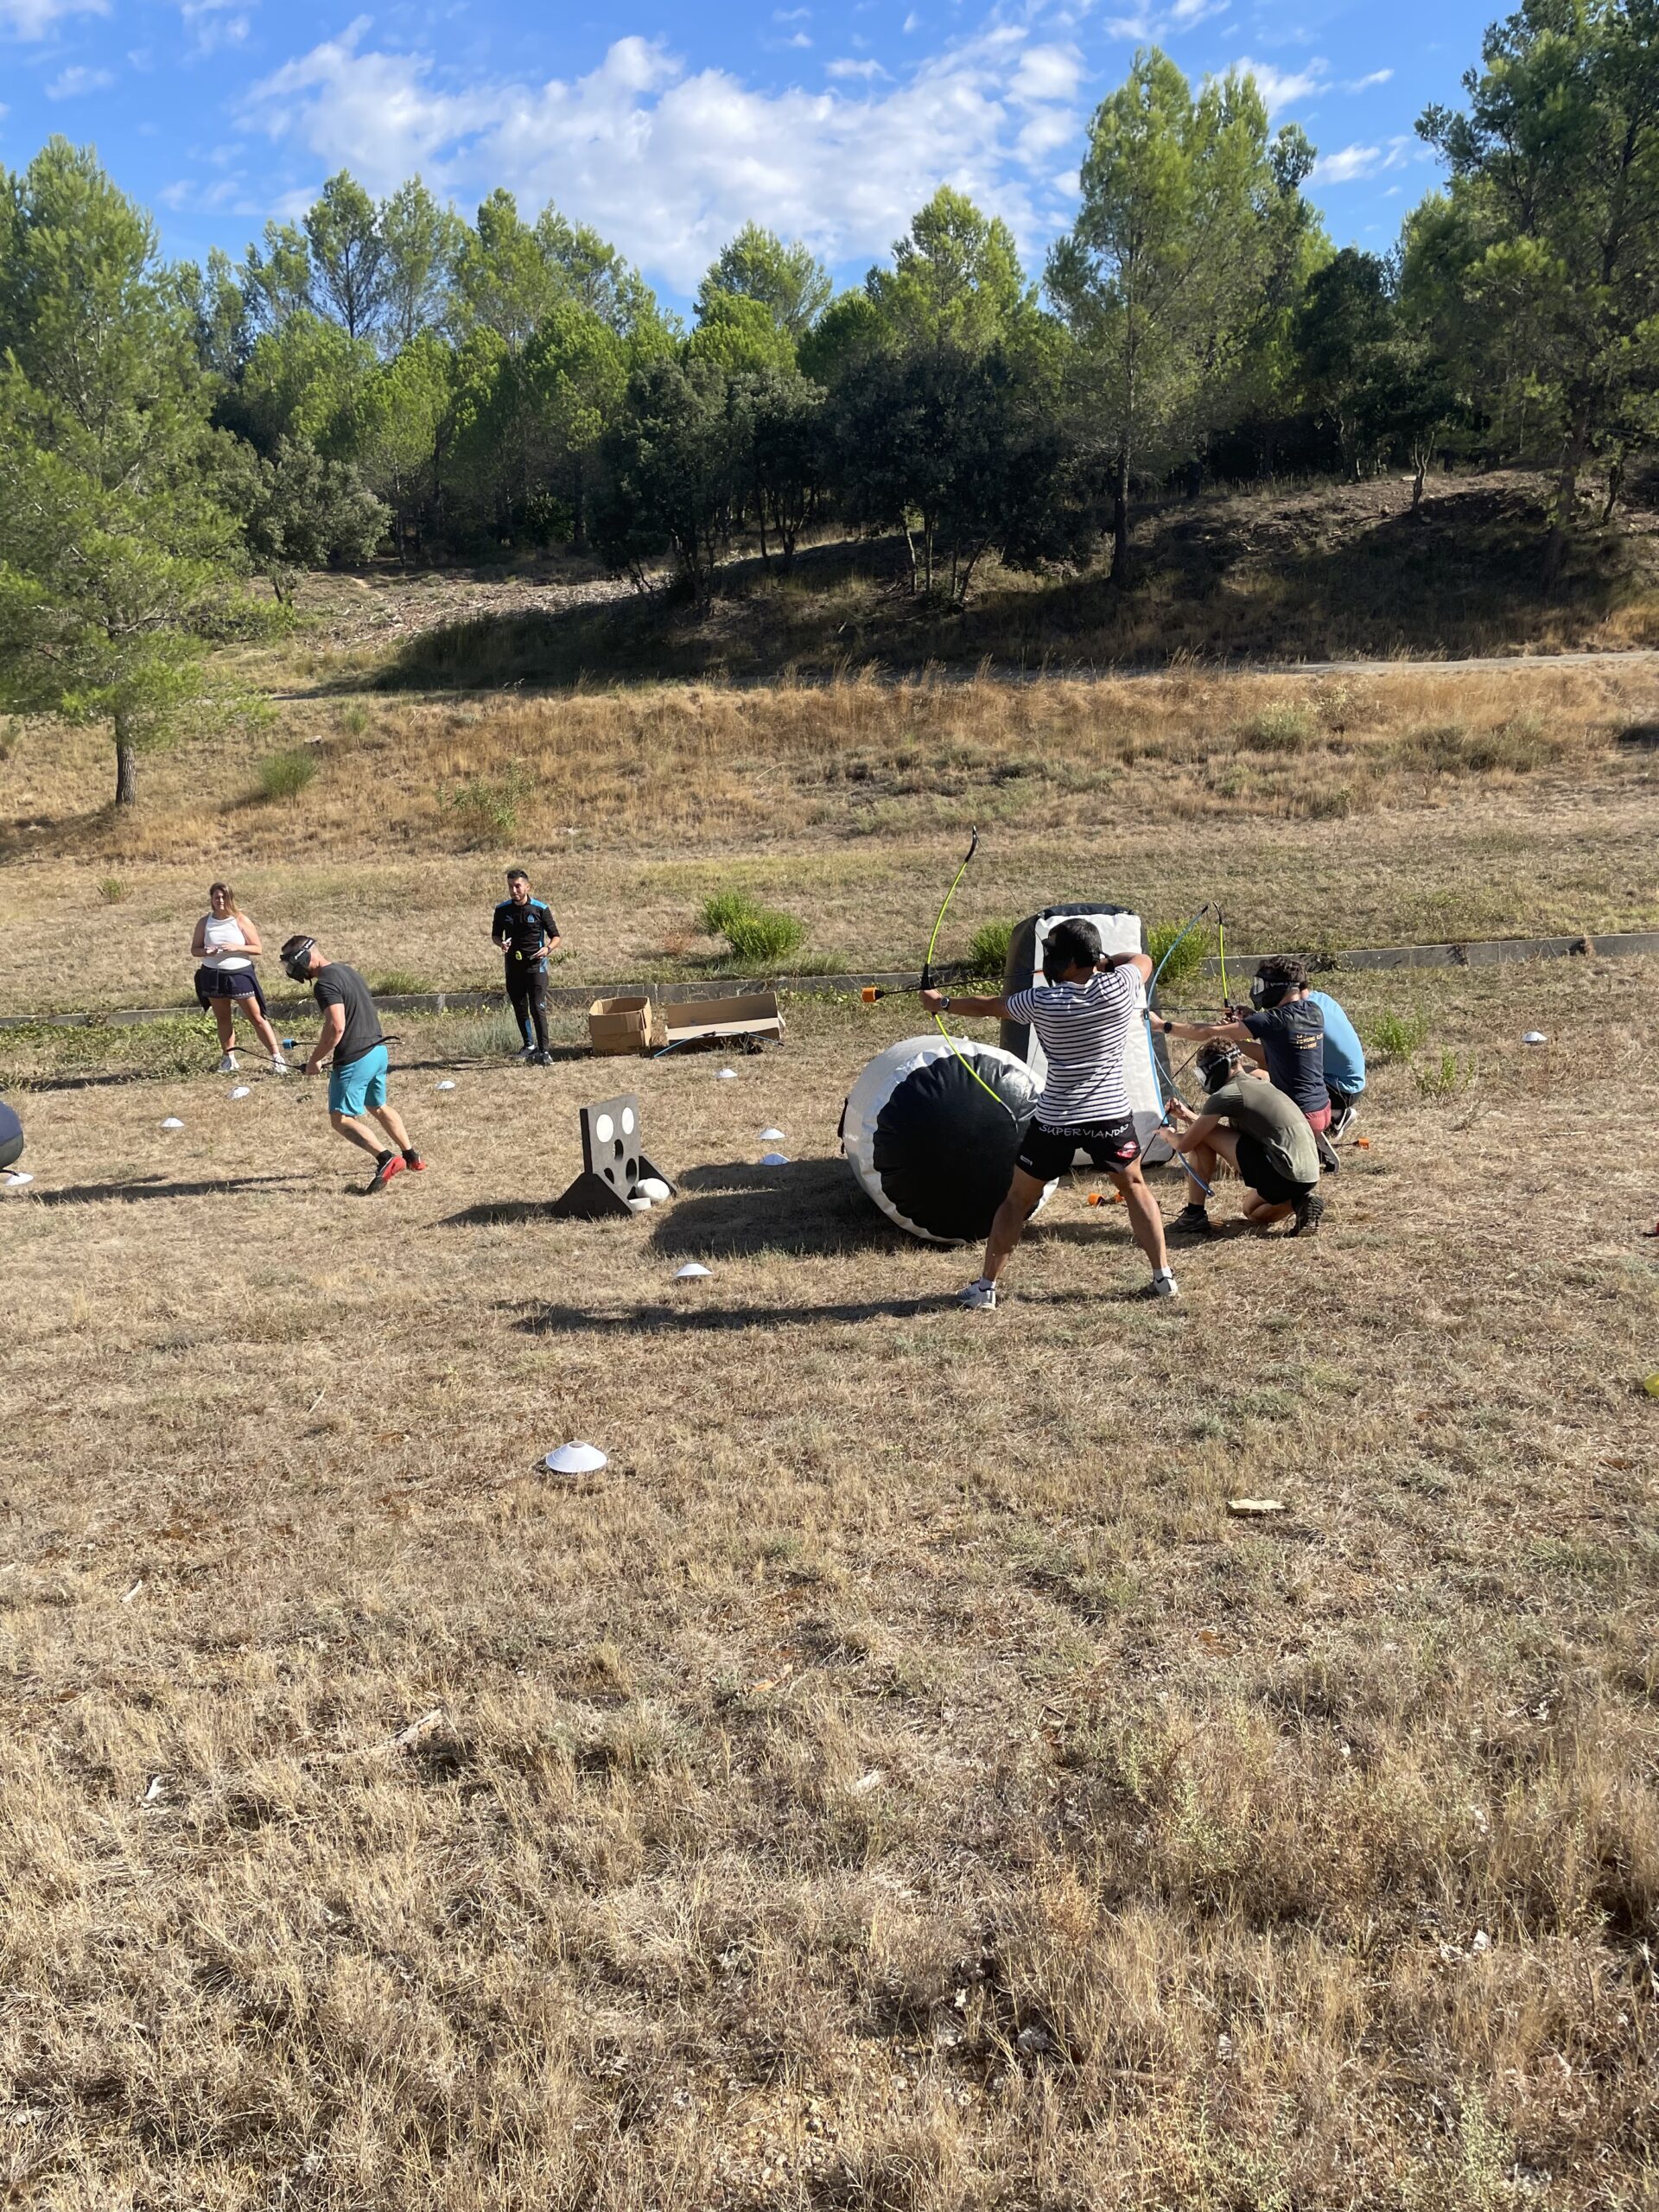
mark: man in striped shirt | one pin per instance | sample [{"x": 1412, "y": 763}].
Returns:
[{"x": 1082, "y": 1019}]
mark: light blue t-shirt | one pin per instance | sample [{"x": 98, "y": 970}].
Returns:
[{"x": 1344, "y": 1056}]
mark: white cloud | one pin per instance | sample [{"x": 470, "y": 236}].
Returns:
[
  {"x": 70, "y": 84},
  {"x": 34, "y": 18},
  {"x": 671, "y": 162},
  {"x": 214, "y": 23},
  {"x": 1364, "y": 84},
  {"x": 1282, "y": 88},
  {"x": 1352, "y": 163},
  {"x": 844, "y": 68},
  {"x": 912, "y": 22},
  {"x": 1186, "y": 14}
]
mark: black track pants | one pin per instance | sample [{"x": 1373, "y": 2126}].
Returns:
[{"x": 527, "y": 988}]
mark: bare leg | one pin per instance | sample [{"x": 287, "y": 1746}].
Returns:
[
  {"x": 262, "y": 1028},
  {"x": 224, "y": 1016},
  {"x": 393, "y": 1126},
  {"x": 1012, "y": 1215},
  {"x": 1146, "y": 1222},
  {"x": 1200, "y": 1166},
  {"x": 358, "y": 1133}
]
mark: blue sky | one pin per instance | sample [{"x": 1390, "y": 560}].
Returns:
[{"x": 667, "y": 126}]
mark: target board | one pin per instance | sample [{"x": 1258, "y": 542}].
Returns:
[
  {"x": 1120, "y": 931},
  {"x": 934, "y": 1148}
]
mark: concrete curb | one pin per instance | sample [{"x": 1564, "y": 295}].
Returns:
[{"x": 578, "y": 998}]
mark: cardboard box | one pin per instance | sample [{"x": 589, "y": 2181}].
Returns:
[
  {"x": 753, "y": 1014},
  {"x": 627, "y": 1024}
]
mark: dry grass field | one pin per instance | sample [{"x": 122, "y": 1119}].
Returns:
[
  {"x": 899, "y": 1783},
  {"x": 1325, "y": 811}
]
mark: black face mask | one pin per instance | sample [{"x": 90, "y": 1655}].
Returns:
[
  {"x": 297, "y": 964},
  {"x": 1218, "y": 1076},
  {"x": 1263, "y": 995}
]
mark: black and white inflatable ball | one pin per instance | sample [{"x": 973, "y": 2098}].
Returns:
[
  {"x": 11, "y": 1135},
  {"x": 930, "y": 1145}
]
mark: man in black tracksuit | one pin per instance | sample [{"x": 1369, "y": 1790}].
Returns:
[{"x": 526, "y": 933}]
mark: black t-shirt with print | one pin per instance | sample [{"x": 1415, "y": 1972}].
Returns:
[
  {"x": 1291, "y": 1036},
  {"x": 523, "y": 929}
]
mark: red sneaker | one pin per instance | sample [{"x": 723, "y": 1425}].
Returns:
[
  {"x": 384, "y": 1174},
  {"x": 415, "y": 1164}
]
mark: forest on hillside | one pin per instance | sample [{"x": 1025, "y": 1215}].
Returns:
[{"x": 390, "y": 378}]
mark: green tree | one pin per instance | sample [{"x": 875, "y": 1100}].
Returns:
[
  {"x": 302, "y": 511},
  {"x": 1164, "y": 276},
  {"x": 956, "y": 280},
  {"x": 782, "y": 417},
  {"x": 593, "y": 274},
  {"x": 115, "y": 559},
  {"x": 848, "y": 333},
  {"x": 348, "y": 255},
  {"x": 421, "y": 243},
  {"x": 739, "y": 335},
  {"x": 303, "y": 380},
  {"x": 1554, "y": 196},
  {"x": 676, "y": 466},
  {"x": 276, "y": 283},
  {"x": 1344, "y": 330},
  {"x": 789, "y": 281},
  {"x": 401, "y": 412}
]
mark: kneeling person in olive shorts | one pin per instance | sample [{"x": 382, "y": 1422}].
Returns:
[
  {"x": 1256, "y": 1129},
  {"x": 1082, "y": 1019},
  {"x": 351, "y": 1035}
]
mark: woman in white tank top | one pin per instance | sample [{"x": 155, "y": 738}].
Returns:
[{"x": 226, "y": 946}]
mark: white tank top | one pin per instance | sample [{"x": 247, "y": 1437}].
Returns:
[{"x": 221, "y": 943}]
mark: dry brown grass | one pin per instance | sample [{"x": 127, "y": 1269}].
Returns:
[
  {"x": 1203, "y": 1866},
  {"x": 1322, "y": 811}
]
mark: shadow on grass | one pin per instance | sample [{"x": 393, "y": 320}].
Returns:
[
  {"x": 692, "y": 1317},
  {"x": 153, "y": 1186}
]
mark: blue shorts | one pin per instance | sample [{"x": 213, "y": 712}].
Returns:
[{"x": 358, "y": 1084}]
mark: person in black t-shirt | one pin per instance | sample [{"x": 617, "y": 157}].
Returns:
[
  {"x": 1284, "y": 1032},
  {"x": 354, "y": 1047},
  {"x": 526, "y": 933}
]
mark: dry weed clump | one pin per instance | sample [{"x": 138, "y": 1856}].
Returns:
[{"x": 899, "y": 1782}]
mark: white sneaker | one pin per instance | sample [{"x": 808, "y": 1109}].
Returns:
[
  {"x": 227, "y": 1065},
  {"x": 979, "y": 1297},
  {"x": 279, "y": 1065},
  {"x": 1161, "y": 1286}
]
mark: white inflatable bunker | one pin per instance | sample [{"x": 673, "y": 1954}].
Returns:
[{"x": 933, "y": 1150}]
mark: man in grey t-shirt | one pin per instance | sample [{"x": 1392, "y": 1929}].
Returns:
[
  {"x": 353, "y": 1045},
  {"x": 1256, "y": 1129}
]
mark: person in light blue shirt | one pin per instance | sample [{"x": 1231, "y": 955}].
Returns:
[{"x": 1345, "y": 1065}]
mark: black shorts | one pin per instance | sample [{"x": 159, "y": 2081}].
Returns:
[
  {"x": 1112, "y": 1146},
  {"x": 225, "y": 983},
  {"x": 1263, "y": 1178}
]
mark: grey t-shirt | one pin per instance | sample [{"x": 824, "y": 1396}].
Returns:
[
  {"x": 1262, "y": 1111},
  {"x": 339, "y": 985}
]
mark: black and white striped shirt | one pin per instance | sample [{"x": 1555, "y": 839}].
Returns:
[{"x": 1083, "y": 1029}]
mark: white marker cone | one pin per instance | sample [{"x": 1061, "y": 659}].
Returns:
[
  {"x": 18, "y": 1182},
  {"x": 172, "y": 1123},
  {"x": 241, "y": 1091},
  {"x": 690, "y": 1272},
  {"x": 445, "y": 1086},
  {"x": 771, "y": 1136},
  {"x": 726, "y": 1075},
  {"x": 576, "y": 1459},
  {"x": 1535, "y": 1037},
  {"x": 775, "y": 1160}
]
